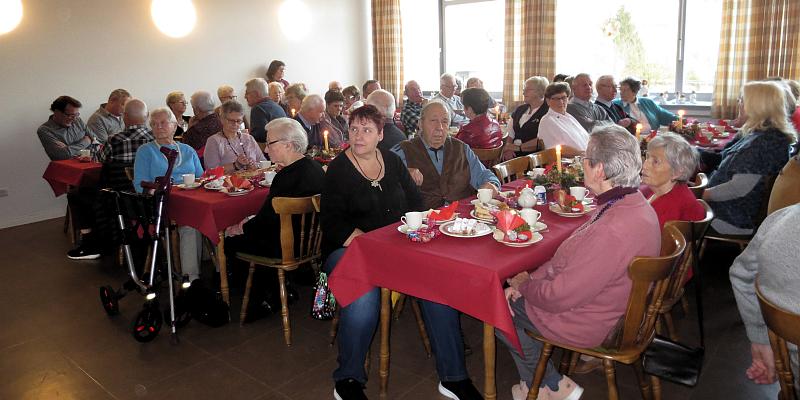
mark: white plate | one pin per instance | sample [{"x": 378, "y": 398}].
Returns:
[
  {"x": 506, "y": 194},
  {"x": 184, "y": 187},
  {"x": 588, "y": 200},
  {"x": 539, "y": 226},
  {"x": 556, "y": 209},
  {"x": 480, "y": 227},
  {"x": 209, "y": 187},
  {"x": 439, "y": 222},
  {"x": 239, "y": 193},
  {"x": 265, "y": 184},
  {"x": 498, "y": 235},
  {"x": 404, "y": 228},
  {"x": 473, "y": 215},
  {"x": 492, "y": 202}
]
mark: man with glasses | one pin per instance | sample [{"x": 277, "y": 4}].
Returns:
[
  {"x": 581, "y": 106},
  {"x": 107, "y": 120},
  {"x": 206, "y": 122},
  {"x": 226, "y": 93},
  {"x": 607, "y": 91},
  {"x": 64, "y": 134},
  {"x": 263, "y": 109},
  {"x": 447, "y": 87}
]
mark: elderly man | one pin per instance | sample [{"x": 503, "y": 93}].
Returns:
[
  {"x": 581, "y": 107},
  {"x": 334, "y": 100},
  {"x": 607, "y": 91},
  {"x": 445, "y": 168},
  {"x": 384, "y": 102},
  {"x": 410, "y": 114},
  {"x": 312, "y": 118},
  {"x": 107, "y": 120},
  {"x": 335, "y": 85},
  {"x": 118, "y": 152},
  {"x": 263, "y": 109},
  {"x": 369, "y": 87},
  {"x": 206, "y": 122},
  {"x": 447, "y": 87},
  {"x": 64, "y": 135},
  {"x": 225, "y": 93}
]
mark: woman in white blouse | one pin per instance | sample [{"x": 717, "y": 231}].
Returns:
[{"x": 558, "y": 127}]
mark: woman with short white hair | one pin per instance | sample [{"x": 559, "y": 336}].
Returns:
[{"x": 523, "y": 130}]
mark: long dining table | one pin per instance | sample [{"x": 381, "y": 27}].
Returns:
[
  {"x": 466, "y": 274},
  {"x": 61, "y": 175}
]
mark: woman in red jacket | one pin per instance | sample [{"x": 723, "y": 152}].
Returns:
[{"x": 482, "y": 131}]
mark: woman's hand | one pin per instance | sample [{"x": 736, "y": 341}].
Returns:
[
  {"x": 237, "y": 229},
  {"x": 518, "y": 279},
  {"x": 511, "y": 295},
  {"x": 762, "y": 370},
  {"x": 509, "y": 154}
]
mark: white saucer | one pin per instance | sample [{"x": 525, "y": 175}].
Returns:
[
  {"x": 209, "y": 187},
  {"x": 404, "y": 228},
  {"x": 184, "y": 187},
  {"x": 265, "y": 184},
  {"x": 492, "y": 202}
]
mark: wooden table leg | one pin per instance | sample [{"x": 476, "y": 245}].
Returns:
[
  {"x": 223, "y": 269},
  {"x": 386, "y": 313},
  {"x": 489, "y": 358}
]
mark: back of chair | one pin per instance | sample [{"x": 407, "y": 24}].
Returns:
[
  {"x": 510, "y": 170},
  {"x": 700, "y": 185},
  {"x": 489, "y": 156},
  {"x": 769, "y": 183},
  {"x": 310, "y": 234},
  {"x": 786, "y": 190},
  {"x": 783, "y": 327},
  {"x": 685, "y": 228},
  {"x": 542, "y": 158},
  {"x": 644, "y": 303}
]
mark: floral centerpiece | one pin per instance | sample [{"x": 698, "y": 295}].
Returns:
[
  {"x": 324, "y": 156},
  {"x": 553, "y": 180}
]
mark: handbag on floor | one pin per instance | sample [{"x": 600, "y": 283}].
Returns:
[
  {"x": 324, "y": 305},
  {"x": 673, "y": 361}
]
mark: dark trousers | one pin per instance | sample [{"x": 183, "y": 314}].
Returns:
[{"x": 81, "y": 202}]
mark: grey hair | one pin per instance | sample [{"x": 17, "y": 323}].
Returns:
[
  {"x": 615, "y": 148},
  {"x": 445, "y": 76},
  {"x": 289, "y": 130},
  {"x": 297, "y": 90},
  {"x": 331, "y": 85},
  {"x": 383, "y": 101},
  {"x": 539, "y": 83},
  {"x": 472, "y": 80},
  {"x": 258, "y": 85},
  {"x": 581, "y": 75},
  {"x": 135, "y": 108},
  {"x": 633, "y": 82},
  {"x": 311, "y": 101},
  {"x": 603, "y": 78},
  {"x": 229, "y": 107},
  {"x": 683, "y": 159},
  {"x": 222, "y": 90},
  {"x": 202, "y": 100},
  {"x": 441, "y": 103},
  {"x": 163, "y": 110}
]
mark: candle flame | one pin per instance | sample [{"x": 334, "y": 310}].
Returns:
[
  {"x": 325, "y": 133},
  {"x": 681, "y": 112},
  {"x": 558, "y": 148},
  {"x": 639, "y": 127}
]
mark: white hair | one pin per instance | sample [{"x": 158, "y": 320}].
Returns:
[
  {"x": 383, "y": 101},
  {"x": 312, "y": 101},
  {"x": 223, "y": 90},
  {"x": 258, "y": 85},
  {"x": 289, "y": 130},
  {"x": 615, "y": 148},
  {"x": 445, "y": 76},
  {"x": 437, "y": 102},
  {"x": 202, "y": 100},
  {"x": 163, "y": 110},
  {"x": 539, "y": 83}
]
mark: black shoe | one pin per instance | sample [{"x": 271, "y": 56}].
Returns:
[
  {"x": 461, "y": 390},
  {"x": 349, "y": 389},
  {"x": 85, "y": 252},
  {"x": 258, "y": 310}
]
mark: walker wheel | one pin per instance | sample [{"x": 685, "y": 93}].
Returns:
[
  {"x": 146, "y": 324},
  {"x": 110, "y": 303},
  {"x": 182, "y": 313}
]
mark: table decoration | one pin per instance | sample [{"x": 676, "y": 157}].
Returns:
[
  {"x": 514, "y": 228},
  {"x": 555, "y": 178}
]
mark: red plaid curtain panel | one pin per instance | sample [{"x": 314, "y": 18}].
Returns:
[
  {"x": 530, "y": 45},
  {"x": 387, "y": 46}
]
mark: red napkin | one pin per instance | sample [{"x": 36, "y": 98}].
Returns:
[
  {"x": 525, "y": 184},
  {"x": 237, "y": 182},
  {"x": 445, "y": 213},
  {"x": 213, "y": 173},
  {"x": 509, "y": 221},
  {"x": 722, "y": 122}
]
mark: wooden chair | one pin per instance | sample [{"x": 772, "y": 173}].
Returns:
[
  {"x": 489, "y": 156},
  {"x": 307, "y": 208},
  {"x": 512, "y": 169},
  {"x": 783, "y": 327},
  {"x": 675, "y": 289},
  {"x": 542, "y": 158},
  {"x": 700, "y": 185},
  {"x": 639, "y": 321}
]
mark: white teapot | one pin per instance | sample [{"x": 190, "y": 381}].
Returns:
[{"x": 527, "y": 198}]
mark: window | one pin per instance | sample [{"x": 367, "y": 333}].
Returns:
[
  {"x": 420, "y": 19},
  {"x": 703, "y": 24},
  {"x": 474, "y": 41}
]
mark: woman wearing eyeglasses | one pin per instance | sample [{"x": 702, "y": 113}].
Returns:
[
  {"x": 176, "y": 102},
  {"x": 230, "y": 148},
  {"x": 650, "y": 114},
  {"x": 559, "y": 127}
]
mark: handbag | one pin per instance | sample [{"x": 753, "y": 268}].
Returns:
[
  {"x": 324, "y": 306},
  {"x": 673, "y": 361}
]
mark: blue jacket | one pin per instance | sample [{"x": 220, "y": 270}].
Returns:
[{"x": 656, "y": 115}]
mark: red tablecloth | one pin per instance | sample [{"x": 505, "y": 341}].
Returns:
[
  {"x": 210, "y": 211},
  {"x": 464, "y": 273},
  {"x": 59, "y": 174},
  {"x": 721, "y": 142}
]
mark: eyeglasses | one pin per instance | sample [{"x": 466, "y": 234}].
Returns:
[
  {"x": 449, "y": 86},
  {"x": 624, "y": 89},
  {"x": 560, "y": 98},
  {"x": 269, "y": 144},
  {"x": 234, "y": 121},
  {"x": 611, "y": 86},
  {"x": 181, "y": 102},
  {"x": 229, "y": 97},
  {"x": 349, "y": 97},
  {"x": 75, "y": 115},
  {"x": 581, "y": 159}
]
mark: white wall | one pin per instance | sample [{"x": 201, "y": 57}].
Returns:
[{"x": 88, "y": 48}]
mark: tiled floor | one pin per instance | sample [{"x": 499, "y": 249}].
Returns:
[{"x": 57, "y": 342}]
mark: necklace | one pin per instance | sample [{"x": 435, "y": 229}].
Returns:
[
  {"x": 180, "y": 156},
  {"x": 600, "y": 213},
  {"x": 238, "y": 135},
  {"x": 373, "y": 182}
]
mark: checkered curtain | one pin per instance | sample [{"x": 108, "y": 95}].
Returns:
[
  {"x": 759, "y": 38},
  {"x": 387, "y": 46},
  {"x": 530, "y": 45}
]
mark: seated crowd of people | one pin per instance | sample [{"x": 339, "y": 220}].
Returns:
[{"x": 576, "y": 298}]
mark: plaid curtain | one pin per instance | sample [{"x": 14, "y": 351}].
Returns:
[
  {"x": 530, "y": 45},
  {"x": 759, "y": 38},
  {"x": 387, "y": 46}
]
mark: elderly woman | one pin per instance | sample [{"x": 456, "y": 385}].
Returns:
[
  {"x": 276, "y": 93},
  {"x": 205, "y": 122},
  {"x": 482, "y": 131},
  {"x": 176, "y": 102},
  {"x": 736, "y": 190},
  {"x": 365, "y": 189},
  {"x": 276, "y": 72},
  {"x": 352, "y": 99},
  {"x": 260, "y": 235},
  {"x": 577, "y": 297},
  {"x": 523, "y": 131},
  {"x": 230, "y": 148},
  {"x": 650, "y": 114},
  {"x": 151, "y": 163},
  {"x": 294, "y": 98},
  {"x": 225, "y": 93},
  {"x": 558, "y": 126}
]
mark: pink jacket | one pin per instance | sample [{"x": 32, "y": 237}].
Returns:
[{"x": 578, "y": 296}]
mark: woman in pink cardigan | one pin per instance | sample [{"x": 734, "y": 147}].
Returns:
[{"x": 578, "y": 296}]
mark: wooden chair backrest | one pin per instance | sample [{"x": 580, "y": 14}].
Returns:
[
  {"x": 700, "y": 185},
  {"x": 643, "y": 305},
  {"x": 129, "y": 172},
  {"x": 786, "y": 190},
  {"x": 769, "y": 183},
  {"x": 783, "y": 327},
  {"x": 310, "y": 234},
  {"x": 685, "y": 228},
  {"x": 491, "y": 155},
  {"x": 543, "y": 157},
  {"x": 512, "y": 169}
]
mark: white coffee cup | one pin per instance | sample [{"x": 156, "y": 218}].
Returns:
[
  {"x": 485, "y": 195},
  {"x": 578, "y": 192},
  {"x": 412, "y": 219},
  {"x": 269, "y": 176},
  {"x": 537, "y": 172},
  {"x": 188, "y": 179},
  {"x": 707, "y": 134},
  {"x": 530, "y": 216},
  {"x": 85, "y": 153},
  {"x": 264, "y": 164}
]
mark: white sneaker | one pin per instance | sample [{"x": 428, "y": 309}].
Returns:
[
  {"x": 567, "y": 390},
  {"x": 520, "y": 392}
]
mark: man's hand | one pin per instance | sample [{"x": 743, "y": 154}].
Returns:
[
  {"x": 459, "y": 112},
  {"x": 61, "y": 144},
  {"x": 624, "y": 122},
  {"x": 762, "y": 370},
  {"x": 87, "y": 138},
  {"x": 508, "y": 154},
  {"x": 518, "y": 279},
  {"x": 511, "y": 295},
  {"x": 416, "y": 176},
  {"x": 488, "y": 185}
]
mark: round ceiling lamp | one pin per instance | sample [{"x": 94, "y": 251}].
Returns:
[
  {"x": 293, "y": 17},
  {"x": 10, "y": 15},
  {"x": 175, "y": 18}
]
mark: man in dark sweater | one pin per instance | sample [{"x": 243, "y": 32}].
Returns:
[
  {"x": 384, "y": 102},
  {"x": 264, "y": 110}
]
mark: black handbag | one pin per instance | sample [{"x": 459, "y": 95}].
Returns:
[{"x": 673, "y": 361}]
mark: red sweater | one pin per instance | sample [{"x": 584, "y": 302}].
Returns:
[{"x": 679, "y": 204}]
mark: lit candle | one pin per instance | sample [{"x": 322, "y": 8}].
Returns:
[
  {"x": 497, "y": 112},
  {"x": 293, "y": 112},
  {"x": 680, "y": 119},
  {"x": 558, "y": 158},
  {"x": 326, "y": 139},
  {"x": 638, "y": 131}
]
